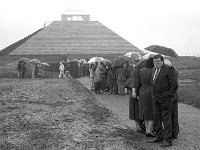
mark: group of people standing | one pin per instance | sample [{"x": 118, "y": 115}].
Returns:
[
  {"x": 152, "y": 86},
  {"x": 105, "y": 77},
  {"x": 22, "y": 68},
  {"x": 154, "y": 100},
  {"x": 64, "y": 70}
]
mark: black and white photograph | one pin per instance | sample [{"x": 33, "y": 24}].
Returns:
[{"x": 99, "y": 75}]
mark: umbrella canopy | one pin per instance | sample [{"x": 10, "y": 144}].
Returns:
[
  {"x": 162, "y": 50},
  {"x": 95, "y": 59},
  {"x": 149, "y": 48},
  {"x": 34, "y": 61},
  {"x": 167, "y": 62},
  {"x": 82, "y": 61},
  {"x": 133, "y": 55},
  {"x": 106, "y": 61},
  {"x": 44, "y": 63},
  {"x": 24, "y": 59},
  {"x": 119, "y": 61},
  {"x": 147, "y": 56}
]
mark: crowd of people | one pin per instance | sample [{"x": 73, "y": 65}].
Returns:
[
  {"x": 23, "y": 67},
  {"x": 64, "y": 71},
  {"x": 152, "y": 87}
]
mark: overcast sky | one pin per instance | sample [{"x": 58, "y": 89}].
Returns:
[{"x": 170, "y": 23}]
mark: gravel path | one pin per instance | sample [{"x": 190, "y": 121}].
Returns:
[{"x": 189, "y": 120}]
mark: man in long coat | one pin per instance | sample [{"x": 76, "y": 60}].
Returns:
[{"x": 165, "y": 85}]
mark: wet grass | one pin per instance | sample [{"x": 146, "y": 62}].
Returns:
[{"x": 60, "y": 117}]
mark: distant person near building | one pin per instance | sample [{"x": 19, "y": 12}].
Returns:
[
  {"x": 21, "y": 68},
  {"x": 67, "y": 72},
  {"x": 61, "y": 69},
  {"x": 19, "y": 74},
  {"x": 36, "y": 70}
]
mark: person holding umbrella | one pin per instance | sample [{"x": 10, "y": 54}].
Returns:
[
  {"x": 21, "y": 67},
  {"x": 92, "y": 71},
  {"x": 97, "y": 78},
  {"x": 33, "y": 64}
]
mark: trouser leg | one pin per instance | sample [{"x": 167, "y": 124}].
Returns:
[
  {"x": 23, "y": 74},
  {"x": 33, "y": 74},
  {"x": 60, "y": 74},
  {"x": 122, "y": 87},
  {"x": 99, "y": 86},
  {"x": 115, "y": 86},
  {"x": 19, "y": 75},
  {"x": 167, "y": 119},
  {"x": 175, "y": 124},
  {"x": 95, "y": 86},
  {"x": 119, "y": 87},
  {"x": 111, "y": 87},
  {"x": 158, "y": 120}
]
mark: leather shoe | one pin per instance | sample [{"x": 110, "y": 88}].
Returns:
[
  {"x": 174, "y": 137},
  {"x": 156, "y": 141},
  {"x": 150, "y": 135},
  {"x": 166, "y": 144}
]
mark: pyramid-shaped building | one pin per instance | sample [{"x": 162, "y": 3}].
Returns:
[{"x": 75, "y": 36}]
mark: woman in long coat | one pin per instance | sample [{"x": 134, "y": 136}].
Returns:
[
  {"x": 133, "y": 101},
  {"x": 144, "y": 86}
]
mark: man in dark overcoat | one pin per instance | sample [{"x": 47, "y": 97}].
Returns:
[{"x": 164, "y": 85}]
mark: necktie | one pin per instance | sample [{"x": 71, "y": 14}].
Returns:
[{"x": 155, "y": 75}]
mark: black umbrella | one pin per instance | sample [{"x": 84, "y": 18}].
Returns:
[
  {"x": 120, "y": 60},
  {"x": 149, "y": 48},
  {"x": 162, "y": 50}
]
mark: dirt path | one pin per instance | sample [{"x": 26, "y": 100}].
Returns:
[{"x": 189, "y": 119}]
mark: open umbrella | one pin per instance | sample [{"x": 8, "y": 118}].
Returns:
[
  {"x": 106, "y": 61},
  {"x": 149, "y": 48},
  {"x": 24, "y": 59},
  {"x": 147, "y": 56},
  {"x": 162, "y": 50},
  {"x": 82, "y": 61},
  {"x": 34, "y": 61},
  {"x": 120, "y": 60},
  {"x": 44, "y": 63},
  {"x": 167, "y": 62},
  {"x": 95, "y": 59},
  {"x": 133, "y": 55}
]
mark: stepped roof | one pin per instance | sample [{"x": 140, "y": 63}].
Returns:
[{"x": 74, "y": 37}]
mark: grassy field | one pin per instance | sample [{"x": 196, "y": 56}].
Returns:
[
  {"x": 188, "y": 68},
  {"x": 189, "y": 79}
]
